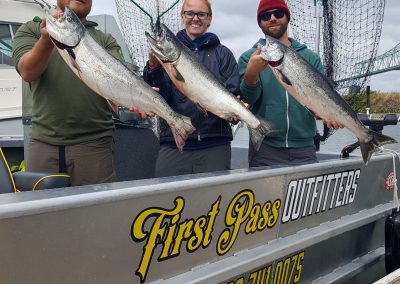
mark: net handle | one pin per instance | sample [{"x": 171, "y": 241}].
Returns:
[
  {"x": 159, "y": 16},
  {"x": 143, "y": 10},
  {"x": 166, "y": 11}
]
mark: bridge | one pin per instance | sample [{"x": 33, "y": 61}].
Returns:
[{"x": 385, "y": 62}]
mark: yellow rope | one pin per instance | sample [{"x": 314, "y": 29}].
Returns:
[
  {"x": 49, "y": 176},
  {"x": 8, "y": 169}
]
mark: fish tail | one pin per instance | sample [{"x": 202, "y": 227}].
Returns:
[
  {"x": 257, "y": 134},
  {"x": 181, "y": 129},
  {"x": 376, "y": 140}
]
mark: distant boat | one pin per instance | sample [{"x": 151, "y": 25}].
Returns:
[
  {"x": 12, "y": 14},
  {"x": 15, "y": 97}
]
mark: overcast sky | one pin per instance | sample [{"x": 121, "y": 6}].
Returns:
[{"x": 235, "y": 24}]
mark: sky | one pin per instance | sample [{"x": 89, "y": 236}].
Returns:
[{"x": 235, "y": 24}]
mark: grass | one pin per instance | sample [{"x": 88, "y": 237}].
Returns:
[
  {"x": 379, "y": 102},
  {"x": 386, "y": 102}
]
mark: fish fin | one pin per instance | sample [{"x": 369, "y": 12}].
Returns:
[
  {"x": 202, "y": 109},
  {"x": 181, "y": 129},
  {"x": 242, "y": 103},
  {"x": 331, "y": 83},
  {"x": 178, "y": 75},
  {"x": 312, "y": 112},
  {"x": 284, "y": 78},
  {"x": 132, "y": 67},
  {"x": 71, "y": 53},
  {"x": 69, "y": 56},
  {"x": 257, "y": 134},
  {"x": 114, "y": 108},
  {"x": 76, "y": 66},
  {"x": 376, "y": 140}
]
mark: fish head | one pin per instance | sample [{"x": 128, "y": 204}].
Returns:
[
  {"x": 273, "y": 51},
  {"x": 65, "y": 31},
  {"x": 165, "y": 46}
]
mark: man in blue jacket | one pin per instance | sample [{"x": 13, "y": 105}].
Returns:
[{"x": 293, "y": 142}]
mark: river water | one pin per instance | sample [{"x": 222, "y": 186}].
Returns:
[
  {"x": 344, "y": 137},
  {"x": 335, "y": 143}
]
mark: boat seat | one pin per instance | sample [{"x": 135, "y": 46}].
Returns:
[
  {"x": 6, "y": 179},
  {"x": 28, "y": 181}
]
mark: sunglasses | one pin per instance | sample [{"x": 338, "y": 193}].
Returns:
[
  {"x": 191, "y": 15},
  {"x": 266, "y": 15}
]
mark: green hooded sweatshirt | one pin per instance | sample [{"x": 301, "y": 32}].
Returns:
[{"x": 295, "y": 124}]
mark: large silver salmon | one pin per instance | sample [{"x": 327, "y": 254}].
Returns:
[
  {"x": 198, "y": 84},
  {"x": 316, "y": 92},
  {"x": 107, "y": 76}
]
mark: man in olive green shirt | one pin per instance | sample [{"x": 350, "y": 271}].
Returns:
[{"x": 72, "y": 127}]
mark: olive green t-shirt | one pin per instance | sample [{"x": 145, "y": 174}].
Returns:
[{"x": 64, "y": 110}]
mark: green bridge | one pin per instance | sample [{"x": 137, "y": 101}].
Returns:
[{"x": 385, "y": 62}]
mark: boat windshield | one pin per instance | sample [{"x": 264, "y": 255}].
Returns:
[{"x": 7, "y": 32}]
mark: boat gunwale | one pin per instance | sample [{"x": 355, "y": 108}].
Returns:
[{"x": 51, "y": 200}]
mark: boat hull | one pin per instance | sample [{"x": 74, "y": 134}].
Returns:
[{"x": 295, "y": 223}]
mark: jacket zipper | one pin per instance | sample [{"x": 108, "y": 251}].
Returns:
[{"x": 287, "y": 119}]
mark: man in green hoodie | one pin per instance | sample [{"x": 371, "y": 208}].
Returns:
[{"x": 293, "y": 142}]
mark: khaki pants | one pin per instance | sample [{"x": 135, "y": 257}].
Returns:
[
  {"x": 171, "y": 162},
  {"x": 87, "y": 163}
]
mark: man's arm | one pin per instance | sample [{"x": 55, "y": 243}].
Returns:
[
  {"x": 33, "y": 63},
  {"x": 254, "y": 67},
  {"x": 250, "y": 84}
]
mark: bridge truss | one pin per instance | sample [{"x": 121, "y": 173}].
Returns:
[{"x": 385, "y": 62}]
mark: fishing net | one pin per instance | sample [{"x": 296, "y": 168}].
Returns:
[
  {"x": 347, "y": 37},
  {"x": 139, "y": 16}
]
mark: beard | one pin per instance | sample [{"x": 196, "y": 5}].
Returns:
[
  {"x": 81, "y": 10},
  {"x": 276, "y": 33}
]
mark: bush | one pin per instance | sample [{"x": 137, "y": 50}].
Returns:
[{"x": 379, "y": 102}]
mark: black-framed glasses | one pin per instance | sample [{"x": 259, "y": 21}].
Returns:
[
  {"x": 200, "y": 15},
  {"x": 278, "y": 14}
]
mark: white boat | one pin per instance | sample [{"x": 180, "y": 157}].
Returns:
[
  {"x": 10, "y": 81},
  {"x": 319, "y": 223}
]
